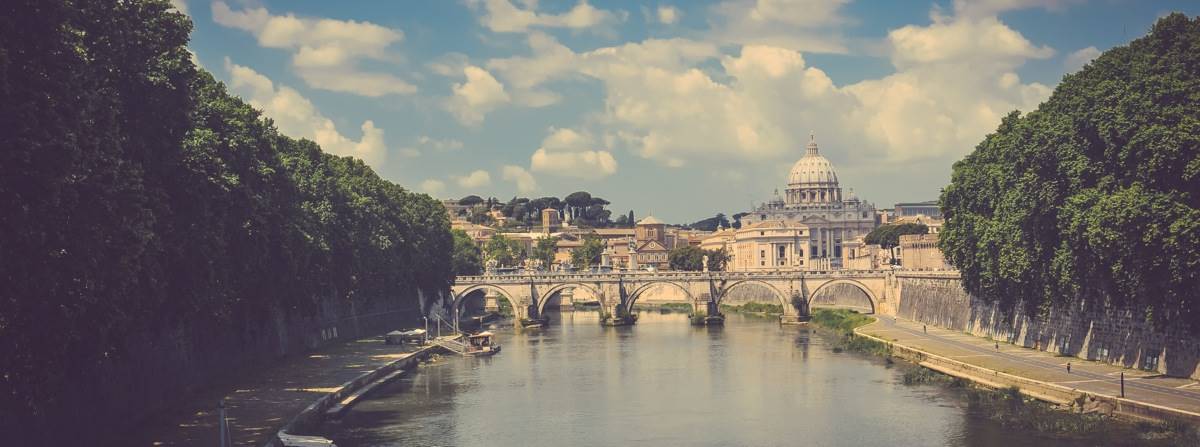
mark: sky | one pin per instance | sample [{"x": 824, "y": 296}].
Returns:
[{"x": 677, "y": 108}]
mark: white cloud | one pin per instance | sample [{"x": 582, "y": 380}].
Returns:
[
  {"x": 476, "y": 179},
  {"x": 325, "y": 52},
  {"x": 480, "y": 94},
  {"x": 802, "y": 25},
  {"x": 987, "y": 8},
  {"x": 978, "y": 42},
  {"x": 297, "y": 117},
  {"x": 180, "y": 5},
  {"x": 442, "y": 145},
  {"x": 425, "y": 143},
  {"x": 668, "y": 15},
  {"x": 504, "y": 17},
  {"x": 953, "y": 80},
  {"x": 516, "y": 174},
  {"x": 568, "y": 153},
  {"x": 1079, "y": 58},
  {"x": 433, "y": 187}
]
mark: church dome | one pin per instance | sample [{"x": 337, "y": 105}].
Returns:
[{"x": 812, "y": 169}]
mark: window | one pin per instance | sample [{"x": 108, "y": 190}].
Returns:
[
  {"x": 762, "y": 253},
  {"x": 762, "y": 263}
]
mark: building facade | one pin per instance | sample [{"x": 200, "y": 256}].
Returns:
[
  {"x": 814, "y": 206},
  {"x": 920, "y": 252},
  {"x": 929, "y": 208}
]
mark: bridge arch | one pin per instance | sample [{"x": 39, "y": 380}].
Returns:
[
  {"x": 643, "y": 287},
  {"x": 545, "y": 298},
  {"x": 458, "y": 298},
  {"x": 866, "y": 290},
  {"x": 782, "y": 297}
]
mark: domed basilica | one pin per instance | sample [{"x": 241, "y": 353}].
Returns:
[{"x": 805, "y": 228}]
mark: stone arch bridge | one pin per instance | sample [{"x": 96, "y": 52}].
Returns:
[{"x": 528, "y": 294}]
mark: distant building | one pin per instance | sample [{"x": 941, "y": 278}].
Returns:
[
  {"x": 933, "y": 224},
  {"x": 929, "y": 208},
  {"x": 814, "y": 205},
  {"x": 551, "y": 220},
  {"x": 478, "y": 233},
  {"x": 920, "y": 252},
  {"x": 651, "y": 249}
]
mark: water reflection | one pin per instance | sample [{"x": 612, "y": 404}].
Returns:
[{"x": 664, "y": 382}]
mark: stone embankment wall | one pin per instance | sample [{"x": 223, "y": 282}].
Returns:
[
  {"x": 1115, "y": 336},
  {"x": 164, "y": 369}
]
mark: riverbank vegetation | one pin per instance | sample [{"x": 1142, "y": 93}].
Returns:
[
  {"x": 754, "y": 308},
  {"x": 142, "y": 203},
  {"x": 1095, "y": 196}
]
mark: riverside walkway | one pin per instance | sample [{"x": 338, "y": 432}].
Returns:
[
  {"x": 1087, "y": 376},
  {"x": 258, "y": 404}
]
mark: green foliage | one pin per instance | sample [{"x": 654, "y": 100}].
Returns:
[
  {"x": 841, "y": 320},
  {"x": 588, "y": 254},
  {"x": 688, "y": 258},
  {"x": 1094, "y": 196},
  {"x": 467, "y": 258},
  {"x": 711, "y": 224},
  {"x": 717, "y": 259},
  {"x": 506, "y": 252},
  {"x": 138, "y": 200},
  {"x": 888, "y": 236},
  {"x": 544, "y": 251},
  {"x": 691, "y": 259},
  {"x": 754, "y": 308},
  {"x": 588, "y": 211},
  {"x": 470, "y": 200}
]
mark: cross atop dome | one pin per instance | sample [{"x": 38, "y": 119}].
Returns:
[{"x": 812, "y": 144}]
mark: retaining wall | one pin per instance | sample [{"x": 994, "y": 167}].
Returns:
[{"x": 1116, "y": 336}]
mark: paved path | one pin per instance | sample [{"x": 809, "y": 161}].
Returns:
[
  {"x": 258, "y": 404},
  {"x": 1085, "y": 375}
]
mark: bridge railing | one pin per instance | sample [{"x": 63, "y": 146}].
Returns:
[{"x": 663, "y": 275}]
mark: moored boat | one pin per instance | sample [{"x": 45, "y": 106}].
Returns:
[{"x": 481, "y": 344}]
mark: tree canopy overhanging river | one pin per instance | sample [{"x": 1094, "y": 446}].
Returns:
[{"x": 664, "y": 382}]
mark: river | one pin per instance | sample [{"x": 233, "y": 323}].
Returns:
[{"x": 666, "y": 383}]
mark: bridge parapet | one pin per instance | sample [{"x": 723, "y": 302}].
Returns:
[{"x": 662, "y": 276}]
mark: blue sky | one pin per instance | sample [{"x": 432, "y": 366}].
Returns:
[{"x": 678, "y": 108}]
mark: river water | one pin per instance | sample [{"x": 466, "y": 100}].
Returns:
[{"x": 666, "y": 383}]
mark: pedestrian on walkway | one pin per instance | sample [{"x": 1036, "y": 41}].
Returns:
[
  {"x": 997, "y": 346},
  {"x": 925, "y": 328},
  {"x": 1068, "y": 367}
]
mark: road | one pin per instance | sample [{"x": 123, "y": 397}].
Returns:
[{"x": 1090, "y": 376}]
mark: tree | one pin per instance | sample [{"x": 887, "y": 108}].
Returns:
[
  {"x": 632, "y": 221},
  {"x": 1093, "y": 198},
  {"x": 544, "y": 251},
  {"x": 140, "y": 201},
  {"x": 688, "y": 258},
  {"x": 888, "y": 236},
  {"x": 578, "y": 199},
  {"x": 506, "y": 252},
  {"x": 737, "y": 219},
  {"x": 588, "y": 254},
  {"x": 467, "y": 259},
  {"x": 622, "y": 221},
  {"x": 471, "y": 200},
  {"x": 717, "y": 259},
  {"x": 712, "y": 223}
]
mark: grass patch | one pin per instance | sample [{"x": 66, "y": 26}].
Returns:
[
  {"x": 840, "y": 320},
  {"x": 754, "y": 308},
  {"x": 675, "y": 307}
]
